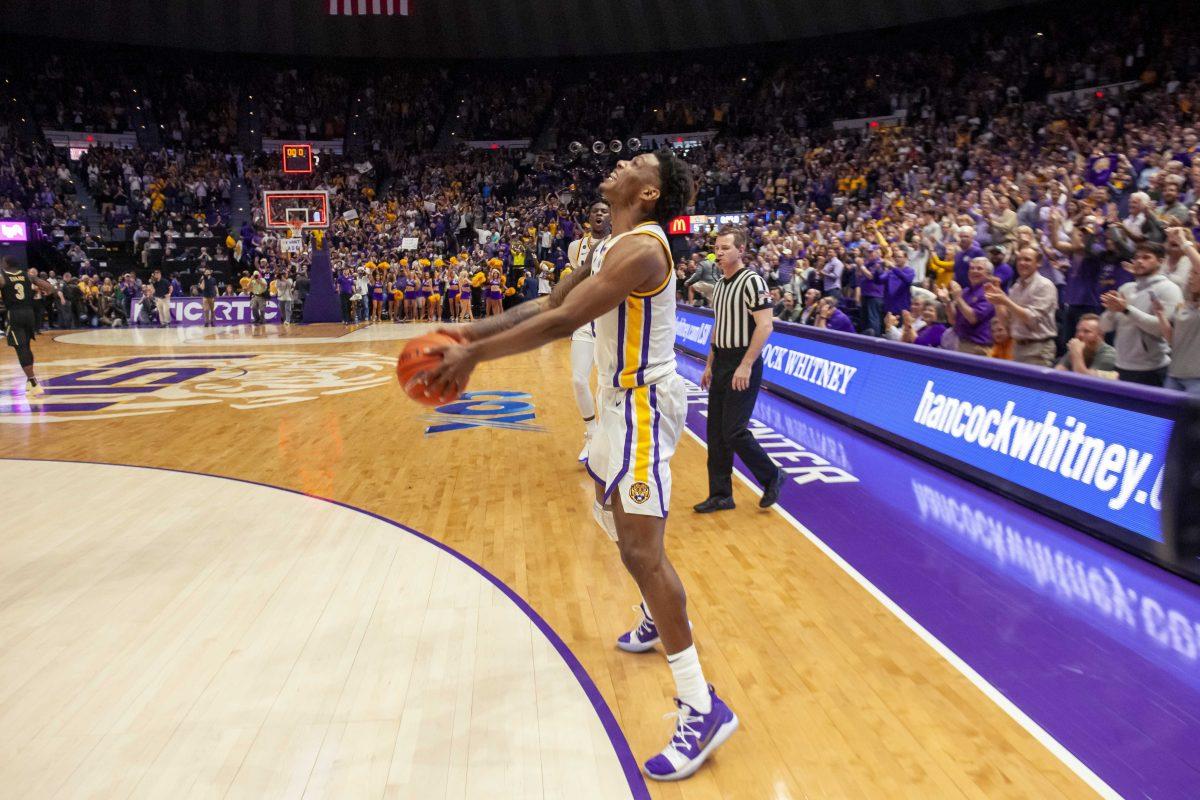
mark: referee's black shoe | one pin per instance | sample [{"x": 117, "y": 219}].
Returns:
[
  {"x": 714, "y": 504},
  {"x": 771, "y": 490}
]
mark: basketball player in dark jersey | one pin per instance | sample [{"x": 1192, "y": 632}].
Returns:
[{"x": 16, "y": 289}]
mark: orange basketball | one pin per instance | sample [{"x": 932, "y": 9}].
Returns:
[{"x": 414, "y": 360}]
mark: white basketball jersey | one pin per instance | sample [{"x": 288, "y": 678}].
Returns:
[
  {"x": 577, "y": 253},
  {"x": 578, "y": 250},
  {"x": 635, "y": 342}
]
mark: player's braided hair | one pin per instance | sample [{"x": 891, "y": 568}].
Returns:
[{"x": 677, "y": 189}]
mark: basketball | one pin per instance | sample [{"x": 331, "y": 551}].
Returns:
[{"x": 413, "y": 360}]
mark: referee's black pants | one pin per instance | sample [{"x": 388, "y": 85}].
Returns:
[{"x": 728, "y": 415}]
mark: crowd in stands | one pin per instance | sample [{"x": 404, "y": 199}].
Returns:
[
  {"x": 196, "y": 107},
  {"x": 301, "y": 104},
  {"x": 68, "y": 92},
  {"x": 36, "y": 182},
  {"x": 401, "y": 113},
  {"x": 992, "y": 221}
]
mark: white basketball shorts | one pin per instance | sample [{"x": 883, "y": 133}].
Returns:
[{"x": 637, "y": 432}]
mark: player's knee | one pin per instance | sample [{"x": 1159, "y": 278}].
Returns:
[
  {"x": 580, "y": 383},
  {"x": 25, "y": 356},
  {"x": 639, "y": 557}
]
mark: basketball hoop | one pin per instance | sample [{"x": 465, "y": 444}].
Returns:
[{"x": 296, "y": 211}]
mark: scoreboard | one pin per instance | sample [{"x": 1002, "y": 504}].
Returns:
[{"x": 297, "y": 159}]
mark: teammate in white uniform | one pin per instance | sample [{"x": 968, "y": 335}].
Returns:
[
  {"x": 583, "y": 356},
  {"x": 630, "y": 293}
]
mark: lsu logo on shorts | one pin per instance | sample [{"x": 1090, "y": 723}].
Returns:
[{"x": 639, "y": 492}]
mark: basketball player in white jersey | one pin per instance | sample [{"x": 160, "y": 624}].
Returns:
[
  {"x": 630, "y": 293},
  {"x": 583, "y": 341}
]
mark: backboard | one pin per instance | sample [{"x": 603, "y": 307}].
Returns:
[{"x": 301, "y": 209}]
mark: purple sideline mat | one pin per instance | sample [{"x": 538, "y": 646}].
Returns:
[{"x": 1098, "y": 647}]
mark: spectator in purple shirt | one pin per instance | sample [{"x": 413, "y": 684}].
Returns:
[
  {"x": 968, "y": 249},
  {"x": 831, "y": 272},
  {"x": 831, "y": 317},
  {"x": 871, "y": 279},
  {"x": 1000, "y": 268},
  {"x": 897, "y": 289},
  {"x": 969, "y": 310},
  {"x": 345, "y": 282},
  {"x": 933, "y": 325}
]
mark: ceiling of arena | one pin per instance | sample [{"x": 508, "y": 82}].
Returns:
[{"x": 466, "y": 28}]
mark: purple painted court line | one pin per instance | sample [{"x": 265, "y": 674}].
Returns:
[
  {"x": 1099, "y": 648},
  {"x": 629, "y": 764}
]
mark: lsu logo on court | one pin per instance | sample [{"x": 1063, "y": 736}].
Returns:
[
  {"x": 108, "y": 387},
  {"x": 504, "y": 410}
]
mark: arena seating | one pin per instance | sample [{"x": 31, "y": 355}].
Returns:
[{"x": 1032, "y": 128}]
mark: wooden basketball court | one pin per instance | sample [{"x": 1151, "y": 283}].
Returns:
[{"x": 172, "y": 633}]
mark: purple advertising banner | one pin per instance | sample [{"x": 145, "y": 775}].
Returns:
[
  {"x": 12, "y": 230},
  {"x": 226, "y": 311}
]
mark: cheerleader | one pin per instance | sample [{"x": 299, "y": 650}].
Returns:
[
  {"x": 377, "y": 293},
  {"x": 409, "y": 295},
  {"x": 495, "y": 293},
  {"x": 397, "y": 281},
  {"x": 433, "y": 303},
  {"x": 464, "y": 298},
  {"x": 451, "y": 278},
  {"x": 418, "y": 296}
]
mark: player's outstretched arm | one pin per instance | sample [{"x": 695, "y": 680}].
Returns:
[
  {"x": 484, "y": 328},
  {"x": 637, "y": 265}
]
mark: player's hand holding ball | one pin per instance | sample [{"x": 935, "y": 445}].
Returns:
[{"x": 434, "y": 369}]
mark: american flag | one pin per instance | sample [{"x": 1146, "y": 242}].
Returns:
[{"x": 381, "y": 7}]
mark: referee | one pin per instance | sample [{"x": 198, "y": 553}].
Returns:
[{"x": 733, "y": 374}]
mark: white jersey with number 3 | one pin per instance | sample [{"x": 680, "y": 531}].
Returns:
[{"x": 635, "y": 342}]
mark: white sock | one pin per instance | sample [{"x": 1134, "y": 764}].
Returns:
[{"x": 690, "y": 685}]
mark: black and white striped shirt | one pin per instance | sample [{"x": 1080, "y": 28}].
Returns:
[{"x": 734, "y": 301}]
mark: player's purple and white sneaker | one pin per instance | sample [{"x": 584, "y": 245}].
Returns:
[
  {"x": 643, "y": 637},
  {"x": 696, "y": 737}
]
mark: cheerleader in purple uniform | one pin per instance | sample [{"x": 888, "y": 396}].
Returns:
[
  {"x": 495, "y": 293},
  {"x": 397, "y": 282},
  {"x": 433, "y": 304},
  {"x": 427, "y": 292},
  {"x": 464, "y": 297},
  {"x": 410, "y": 296},
  {"x": 377, "y": 296}
]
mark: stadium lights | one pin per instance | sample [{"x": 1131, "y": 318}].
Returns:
[{"x": 632, "y": 144}]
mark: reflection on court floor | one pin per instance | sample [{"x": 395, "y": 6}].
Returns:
[
  {"x": 173, "y": 634},
  {"x": 108, "y": 387},
  {"x": 258, "y": 336}
]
